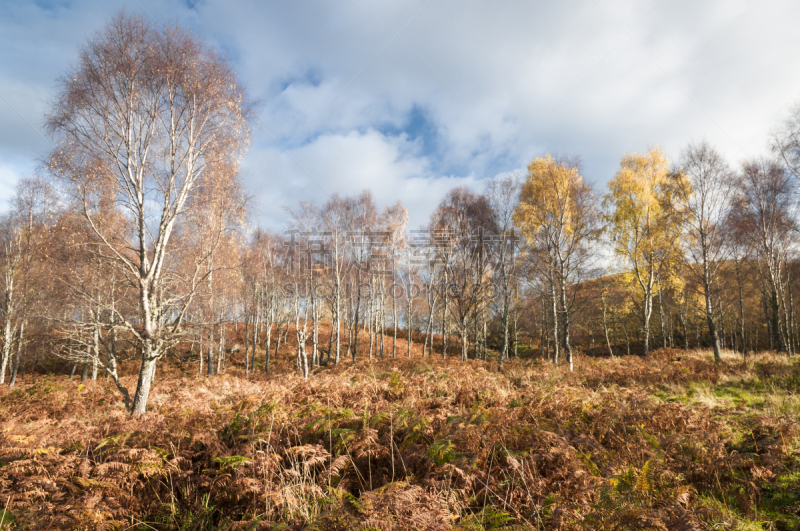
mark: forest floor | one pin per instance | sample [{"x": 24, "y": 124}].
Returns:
[{"x": 674, "y": 441}]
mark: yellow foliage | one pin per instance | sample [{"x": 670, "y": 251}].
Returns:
[
  {"x": 556, "y": 212},
  {"x": 644, "y": 218},
  {"x": 548, "y": 198}
]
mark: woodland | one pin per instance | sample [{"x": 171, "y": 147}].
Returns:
[{"x": 539, "y": 355}]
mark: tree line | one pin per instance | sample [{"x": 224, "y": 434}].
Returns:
[{"x": 134, "y": 243}]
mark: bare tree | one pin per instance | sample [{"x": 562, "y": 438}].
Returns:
[
  {"x": 461, "y": 220},
  {"x": 361, "y": 217},
  {"x": 396, "y": 218},
  {"x": 765, "y": 211},
  {"x": 503, "y": 197},
  {"x": 334, "y": 221},
  {"x": 706, "y": 203}
]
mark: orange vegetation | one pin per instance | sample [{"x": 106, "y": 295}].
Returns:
[{"x": 405, "y": 444}]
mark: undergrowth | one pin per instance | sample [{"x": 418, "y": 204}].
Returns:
[{"x": 674, "y": 441}]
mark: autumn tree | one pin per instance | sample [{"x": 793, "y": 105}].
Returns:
[
  {"x": 262, "y": 271},
  {"x": 428, "y": 273},
  {"x": 558, "y": 217},
  {"x": 459, "y": 223},
  {"x": 24, "y": 232},
  {"x": 11, "y": 257},
  {"x": 150, "y": 109},
  {"x": 396, "y": 218},
  {"x": 503, "y": 195},
  {"x": 308, "y": 265},
  {"x": 766, "y": 216},
  {"x": 705, "y": 202},
  {"x": 93, "y": 295},
  {"x": 644, "y": 219},
  {"x": 361, "y": 215},
  {"x": 333, "y": 217}
]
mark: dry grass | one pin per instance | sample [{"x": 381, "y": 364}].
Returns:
[{"x": 670, "y": 442}]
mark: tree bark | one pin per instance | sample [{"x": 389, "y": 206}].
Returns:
[
  {"x": 146, "y": 375},
  {"x": 18, "y": 357}
]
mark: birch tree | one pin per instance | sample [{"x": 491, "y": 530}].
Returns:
[
  {"x": 145, "y": 112},
  {"x": 558, "y": 216},
  {"x": 644, "y": 218},
  {"x": 765, "y": 212},
  {"x": 503, "y": 195},
  {"x": 706, "y": 202}
]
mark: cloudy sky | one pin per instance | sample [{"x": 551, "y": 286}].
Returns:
[{"x": 410, "y": 98}]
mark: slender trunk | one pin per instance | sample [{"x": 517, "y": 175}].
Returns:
[
  {"x": 429, "y": 326},
  {"x": 712, "y": 327},
  {"x": 278, "y": 342},
  {"x": 785, "y": 323},
  {"x": 394, "y": 317},
  {"x": 791, "y": 320},
  {"x": 202, "y": 354},
  {"x": 444, "y": 317},
  {"x": 409, "y": 317},
  {"x": 661, "y": 319},
  {"x": 381, "y": 315},
  {"x": 221, "y": 352},
  {"x": 483, "y": 342},
  {"x": 543, "y": 337},
  {"x": 627, "y": 337},
  {"x": 302, "y": 356},
  {"x": 210, "y": 359},
  {"x": 721, "y": 327},
  {"x": 268, "y": 338},
  {"x": 350, "y": 339},
  {"x": 337, "y": 315},
  {"x": 256, "y": 337},
  {"x": 605, "y": 324},
  {"x": 356, "y": 311},
  {"x": 325, "y": 358},
  {"x": 18, "y": 357},
  {"x": 8, "y": 338},
  {"x": 504, "y": 324},
  {"x": 555, "y": 318},
  {"x": 314, "y": 336},
  {"x": 95, "y": 349},
  {"x": 767, "y": 315},
  {"x": 247, "y": 331},
  {"x": 349, "y": 321},
  {"x": 565, "y": 310},
  {"x": 463, "y": 342},
  {"x": 372, "y": 331},
  {"x": 647, "y": 311}
]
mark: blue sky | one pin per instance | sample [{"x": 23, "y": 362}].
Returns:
[{"x": 410, "y": 98}]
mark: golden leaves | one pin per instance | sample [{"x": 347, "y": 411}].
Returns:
[
  {"x": 548, "y": 196},
  {"x": 643, "y": 214}
]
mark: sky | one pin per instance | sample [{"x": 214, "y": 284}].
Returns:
[{"x": 410, "y": 98}]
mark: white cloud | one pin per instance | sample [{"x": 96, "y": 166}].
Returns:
[
  {"x": 390, "y": 166},
  {"x": 498, "y": 84}
]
